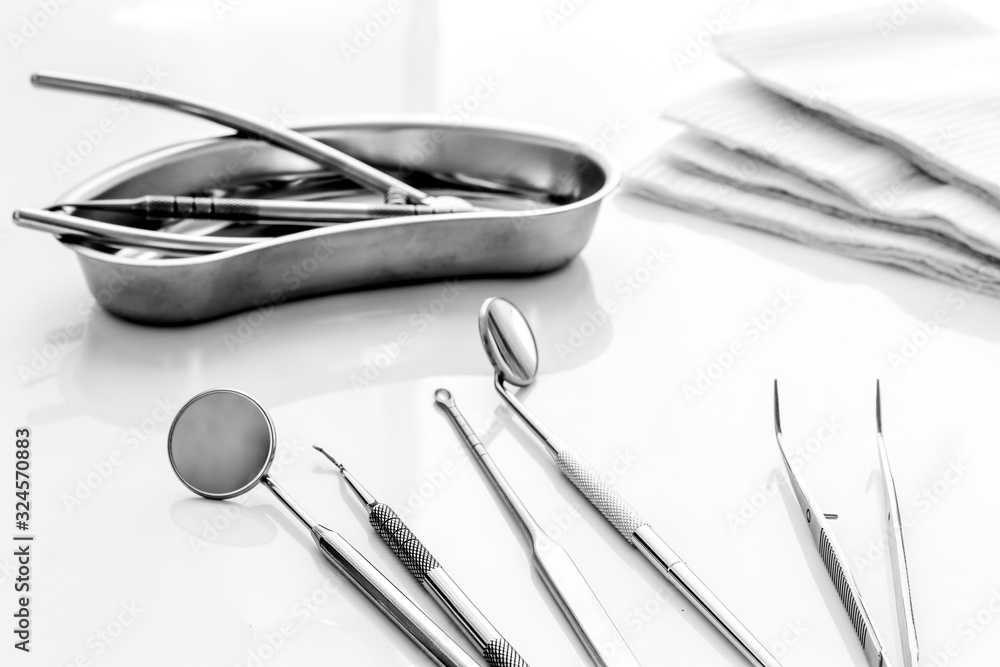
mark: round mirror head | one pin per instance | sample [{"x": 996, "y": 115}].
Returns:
[
  {"x": 221, "y": 443},
  {"x": 509, "y": 342}
]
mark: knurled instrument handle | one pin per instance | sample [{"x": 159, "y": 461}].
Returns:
[
  {"x": 402, "y": 541},
  {"x": 602, "y": 495}
]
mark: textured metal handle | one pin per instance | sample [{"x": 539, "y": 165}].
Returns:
[
  {"x": 499, "y": 653},
  {"x": 200, "y": 207},
  {"x": 417, "y": 559},
  {"x": 612, "y": 505}
]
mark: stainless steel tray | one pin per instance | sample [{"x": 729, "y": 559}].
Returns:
[{"x": 561, "y": 182}]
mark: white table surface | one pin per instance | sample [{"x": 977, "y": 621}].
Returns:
[{"x": 702, "y": 469}]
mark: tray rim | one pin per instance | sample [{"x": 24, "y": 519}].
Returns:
[{"x": 558, "y": 138}]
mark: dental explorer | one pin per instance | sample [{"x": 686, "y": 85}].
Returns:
[
  {"x": 222, "y": 443},
  {"x": 431, "y": 575}
]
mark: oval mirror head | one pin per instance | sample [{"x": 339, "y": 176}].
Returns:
[
  {"x": 509, "y": 342},
  {"x": 221, "y": 443}
]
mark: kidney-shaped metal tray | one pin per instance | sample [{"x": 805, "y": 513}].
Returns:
[{"x": 550, "y": 183}]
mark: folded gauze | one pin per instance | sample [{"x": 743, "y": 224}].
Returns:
[
  {"x": 862, "y": 133},
  {"x": 885, "y": 186},
  {"x": 921, "y": 78},
  {"x": 662, "y": 180}
]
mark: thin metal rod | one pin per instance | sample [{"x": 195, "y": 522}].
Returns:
[
  {"x": 393, "y": 603},
  {"x": 362, "y": 494},
  {"x": 399, "y": 608},
  {"x": 569, "y": 588},
  {"x": 61, "y": 224},
  {"x": 432, "y": 575},
  {"x": 290, "y": 504},
  {"x": 897, "y": 549},
  {"x": 303, "y": 145},
  {"x": 619, "y": 513},
  {"x": 528, "y": 524},
  {"x": 158, "y": 207},
  {"x": 552, "y": 444}
]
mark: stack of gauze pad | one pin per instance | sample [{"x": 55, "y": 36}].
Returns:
[{"x": 875, "y": 134}]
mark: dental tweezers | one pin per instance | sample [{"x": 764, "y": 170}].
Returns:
[{"x": 836, "y": 564}]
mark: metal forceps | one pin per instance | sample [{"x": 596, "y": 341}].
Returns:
[{"x": 837, "y": 565}]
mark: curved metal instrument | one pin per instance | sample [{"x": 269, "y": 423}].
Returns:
[{"x": 296, "y": 142}]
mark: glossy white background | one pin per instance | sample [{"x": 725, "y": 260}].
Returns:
[{"x": 690, "y": 465}]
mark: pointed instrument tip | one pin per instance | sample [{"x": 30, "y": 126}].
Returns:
[
  {"x": 329, "y": 456},
  {"x": 363, "y": 495},
  {"x": 777, "y": 410},
  {"x": 878, "y": 406}
]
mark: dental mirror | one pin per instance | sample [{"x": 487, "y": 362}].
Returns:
[
  {"x": 509, "y": 342},
  {"x": 221, "y": 444},
  {"x": 511, "y": 348}
]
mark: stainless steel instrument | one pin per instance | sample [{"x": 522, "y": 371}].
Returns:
[
  {"x": 897, "y": 550},
  {"x": 561, "y": 576},
  {"x": 291, "y": 140},
  {"x": 510, "y": 345},
  {"x": 221, "y": 444},
  {"x": 73, "y": 228},
  {"x": 431, "y": 575},
  {"x": 271, "y": 212},
  {"x": 836, "y": 563},
  {"x": 158, "y": 207}
]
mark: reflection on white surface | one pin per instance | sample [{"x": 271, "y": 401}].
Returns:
[
  {"x": 335, "y": 348},
  {"x": 224, "y": 583}
]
